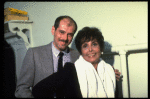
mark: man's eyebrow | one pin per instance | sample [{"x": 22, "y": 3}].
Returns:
[{"x": 71, "y": 34}]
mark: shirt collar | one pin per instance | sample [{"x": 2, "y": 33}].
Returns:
[{"x": 56, "y": 51}]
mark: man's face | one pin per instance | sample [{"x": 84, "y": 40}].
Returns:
[{"x": 63, "y": 35}]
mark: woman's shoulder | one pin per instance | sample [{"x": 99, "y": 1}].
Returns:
[{"x": 109, "y": 67}]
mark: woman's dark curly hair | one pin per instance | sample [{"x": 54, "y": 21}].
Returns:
[{"x": 88, "y": 34}]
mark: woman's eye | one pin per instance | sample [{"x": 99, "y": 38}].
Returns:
[
  {"x": 84, "y": 46},
  {"x": 94, "y": 44}
]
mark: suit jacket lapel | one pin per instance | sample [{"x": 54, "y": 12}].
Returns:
[
  {"x": 47, "y": 59},
  {"x": 50, "y": 58}
]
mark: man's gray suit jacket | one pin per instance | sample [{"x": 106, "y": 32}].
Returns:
[{"x": 37, "y": 65}]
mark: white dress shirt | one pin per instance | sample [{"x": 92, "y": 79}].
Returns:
[{"x": 66, "y": 57}]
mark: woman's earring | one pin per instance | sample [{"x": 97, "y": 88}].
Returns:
[{"x": 101, "y": 52}]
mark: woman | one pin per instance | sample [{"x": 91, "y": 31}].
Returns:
[
  {"x": 89, "y": 76},
  {"x": 96, "y": 78}
]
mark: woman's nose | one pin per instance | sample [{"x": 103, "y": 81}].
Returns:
[{"x": 90, "y": 48}]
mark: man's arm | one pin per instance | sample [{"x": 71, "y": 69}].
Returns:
[
  {"x": 117, "y": 73},
  {"x": 26, "y": 77}
]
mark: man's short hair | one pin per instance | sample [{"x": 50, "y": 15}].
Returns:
[{"x": 57, "y": 22}]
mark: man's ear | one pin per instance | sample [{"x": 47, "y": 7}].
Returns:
[{"x": 53, "y": 30}]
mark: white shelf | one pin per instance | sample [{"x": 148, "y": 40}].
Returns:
[
  {"x": 15, "y": 28},
  {"x": 19, "y": 21}
]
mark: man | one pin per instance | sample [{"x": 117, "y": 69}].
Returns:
[{"x": 40, "y": 62}]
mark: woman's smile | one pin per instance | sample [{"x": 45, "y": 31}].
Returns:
[
  {"x": 91, "y": 55},
  {"x": 91, "y": 51}
]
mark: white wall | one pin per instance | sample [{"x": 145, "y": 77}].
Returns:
[
  {"x": 122, "y": 23},
  {"x": 138, "y": 74}
]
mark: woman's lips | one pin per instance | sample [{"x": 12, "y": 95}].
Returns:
[{"x": 91, "y": 55}]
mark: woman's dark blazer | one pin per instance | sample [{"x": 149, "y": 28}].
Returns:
[{"x": 64, "y": 84}]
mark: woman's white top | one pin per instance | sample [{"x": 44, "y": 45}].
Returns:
[{"x": 100, "y": 83}]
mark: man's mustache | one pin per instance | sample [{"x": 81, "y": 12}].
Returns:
[{"x": 66, "y": 41}]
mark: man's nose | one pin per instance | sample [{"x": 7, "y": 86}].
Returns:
[{"x": 65, "y": 37}]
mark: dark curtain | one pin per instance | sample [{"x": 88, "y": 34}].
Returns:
[{"x": 8, "y": 71}]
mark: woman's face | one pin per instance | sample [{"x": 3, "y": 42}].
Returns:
[{"x": 91, "y": 51}]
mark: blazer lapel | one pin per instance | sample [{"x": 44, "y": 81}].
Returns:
[
  {"x": 47, "y": 59},
  {"x": 50, "y": 58}
]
